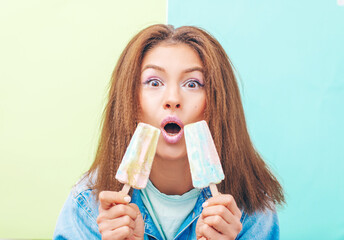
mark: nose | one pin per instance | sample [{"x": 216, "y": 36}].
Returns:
[
  {"x": 172, "y": 99},
  {"x": 172, "y": 105}
]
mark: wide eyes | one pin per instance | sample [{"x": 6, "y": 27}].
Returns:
[
  {"x": 153, "y": 83},
  {"x": 192, "y": 83},
  {"x": 189, "y": 84}
]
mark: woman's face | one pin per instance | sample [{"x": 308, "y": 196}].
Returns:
[{"x": 171, "y": 95}]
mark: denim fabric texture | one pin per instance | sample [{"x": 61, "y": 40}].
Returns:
[{"x": 78, "y": 216}]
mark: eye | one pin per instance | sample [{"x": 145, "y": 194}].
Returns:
[
  {"x": 153, "y": 83},
  {"x": 193, "y": 84}
]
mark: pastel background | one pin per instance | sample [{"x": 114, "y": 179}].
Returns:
[
  {"x": 56, "y": 59},
  {"x": 290, "y": 58}
]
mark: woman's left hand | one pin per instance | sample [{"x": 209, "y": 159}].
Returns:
[{"x": 220, "y": 219}]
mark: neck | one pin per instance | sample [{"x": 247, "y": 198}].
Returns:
[{"x": 171, "y": 177}]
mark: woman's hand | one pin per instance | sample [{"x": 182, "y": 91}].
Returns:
[
  {"x": 220, "y": 219},
  {"x": 117, "y": 218}
]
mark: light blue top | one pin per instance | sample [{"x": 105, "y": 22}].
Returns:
[
  {"x": 78, "y": 216},
  {"x": 168, "y": 211}
]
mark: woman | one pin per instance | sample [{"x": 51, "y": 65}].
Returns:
[{"x": 168, "y": 78}]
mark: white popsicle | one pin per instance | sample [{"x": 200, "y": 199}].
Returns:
[
  {"x": 137, "y": 161},
  {"x": 205, "y": 165}
]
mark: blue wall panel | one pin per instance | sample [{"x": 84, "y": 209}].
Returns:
[{"x": 290, "y": 58}]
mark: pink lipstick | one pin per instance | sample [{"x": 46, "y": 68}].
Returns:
[{"x": 172, "y": 129}]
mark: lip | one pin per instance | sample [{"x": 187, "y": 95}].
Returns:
[{"x": 172, "y": 138}]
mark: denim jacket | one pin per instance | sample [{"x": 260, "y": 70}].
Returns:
[{"x": 78, "y": 216}]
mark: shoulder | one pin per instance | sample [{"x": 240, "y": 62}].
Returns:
[
  {"x": 78, "y": 216},
  {"x": 259, "y": 225},
  {"x": 84, "y": 197}
]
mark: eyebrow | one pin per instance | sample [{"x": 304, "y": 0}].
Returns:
[
  {"x": 188, "y": 70},
  {"x": 154, "y": 67}
]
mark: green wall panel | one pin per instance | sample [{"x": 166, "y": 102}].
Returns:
[{"x": 56, "y": 61}]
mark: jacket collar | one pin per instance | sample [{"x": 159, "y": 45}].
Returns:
[{"x": 151, "y": 229}]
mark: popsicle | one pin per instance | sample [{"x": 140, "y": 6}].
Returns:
[
  {"x": 204, "y": 161},
  {"x": 137, "y": 161}
]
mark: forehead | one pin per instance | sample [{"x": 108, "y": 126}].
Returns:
[{"x": 179, "y": 53}]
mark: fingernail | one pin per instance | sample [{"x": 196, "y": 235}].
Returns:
[
  {"x": 127, "y": 198},
  {"x": 205, "y": 204}
]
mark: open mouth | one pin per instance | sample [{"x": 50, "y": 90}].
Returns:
[{"x": 172, "y": 128}]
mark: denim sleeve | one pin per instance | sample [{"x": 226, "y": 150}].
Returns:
[
  {"x": 260, "y": 225},
  {"x": 77, "y": 218}
]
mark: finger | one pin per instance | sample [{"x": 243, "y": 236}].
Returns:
[
  {"x": 108, "y": 198},
  {"x": 226, "y": 200},
  {"x": 217, "y": 222},
  {"x": 112, "y": 224},
  {"x": 219, "y": 210},
  {"x": 220, "y": 225},
  {"x": 119, "y": 233},
  {"x": 135, "y": 208},
  {"x": 208, "y": 232},
  {"x": 139, "y": 229},
  {"x": 116, "y": 212}
]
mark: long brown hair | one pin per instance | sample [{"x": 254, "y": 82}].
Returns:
[{"x": 248, "y": 178}]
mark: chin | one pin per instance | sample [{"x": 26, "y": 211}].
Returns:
[{"x": 171, "y": 151}]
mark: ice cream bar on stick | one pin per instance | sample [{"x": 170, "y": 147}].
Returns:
[
  {"x": 137, "y": 161},
  {"x": 204, "y": 161}
]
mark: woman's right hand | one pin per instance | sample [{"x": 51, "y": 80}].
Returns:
[{"x": 119, "y": 219}]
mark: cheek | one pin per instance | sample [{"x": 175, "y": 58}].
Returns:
[
  {"x": 202, "y": 104},
  {"x": 141, "y": 101},
  {"x": 148, "y": 105},
  {"x": 142, "y": 106},
  {"x": 145, "y": 100},
  {"x": 199, "y": 107}
]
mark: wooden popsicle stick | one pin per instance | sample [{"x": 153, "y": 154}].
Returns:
[
  {"x": 213, "y": 189},
  {"x": 125, "y": 189}
]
